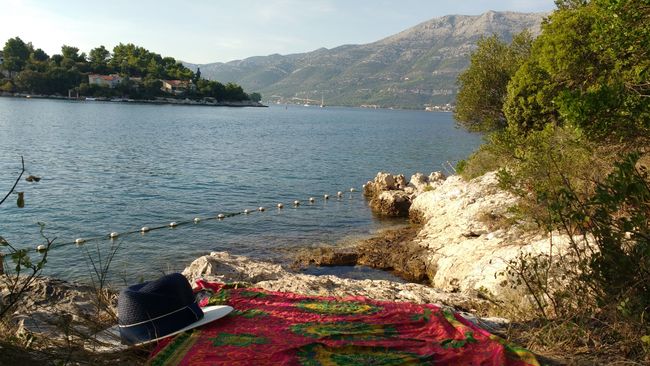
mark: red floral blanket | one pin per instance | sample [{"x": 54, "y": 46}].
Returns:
[{"x": 274, "y": 328}]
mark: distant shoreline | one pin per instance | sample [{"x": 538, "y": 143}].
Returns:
[{"x": 159, "y": 101}]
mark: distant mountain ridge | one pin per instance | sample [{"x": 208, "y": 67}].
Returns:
[{"x": 411, "y": 69}]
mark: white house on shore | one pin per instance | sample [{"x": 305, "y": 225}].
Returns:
[
  {"x": 177, "y": 87},
  {"x": 110, "y": 81}
]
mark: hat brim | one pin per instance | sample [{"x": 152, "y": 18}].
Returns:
[{"x": 210, "y": 314}]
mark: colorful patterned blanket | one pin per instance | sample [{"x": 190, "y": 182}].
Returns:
[{"x": 274, "y": 328}]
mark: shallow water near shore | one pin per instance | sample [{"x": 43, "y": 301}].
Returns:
[{"x": 117, "y": 167}]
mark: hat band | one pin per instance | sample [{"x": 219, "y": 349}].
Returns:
[
  {"x": 191, "y": 307},
  {"x": 160, "y": 326}
]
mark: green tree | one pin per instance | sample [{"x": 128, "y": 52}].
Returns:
[
  {"x": 71, "y": 53},
  {"x": 479, "y": 104},
  {"x": 32, "y": 81},
  {"x": 234, "y": 92},
  {"x": 7, "y": 86},
  {"x": 151, "y": 86},
  {"x": 589, "y": 68},
  {"x": 39, "y": 55},
  {"x": 55, "y": 60},
  {"x": 16, "y": 54},
  {"x": 570, "y": 4},
  {"x": 38, "y": 61},
  {"x": 256, "y": 97},
  {"x": 154, "y": 69},
  {"x": 60, "y": 80},
  {"x": 197, "y": 75},
  {"x": 98, "y": 58},
  {"x": 529, "y": 102}
]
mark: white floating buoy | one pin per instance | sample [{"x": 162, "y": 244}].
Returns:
[
  {"x": 352, "y": 190},
  {"x": 296, "y": 203},
  {"x": 247, "y": 211},
  {"x": 312, "y": 199},
  {"x": 327, "y": 196},
  {"x": 363, "y": 186},
  {"x": 280, "y": 205},
  {"x": 339, "y": 193},
  {"x": 144, "y": 229},
  {"x": 261, "y": 209},
  {"x": 41, "y": 248},
  {"x": 220, "y": 216},
  {"x": 197, "y": 220},
  {"x": 113, "y": 235},
  {"x": 173, "y": 224},
  {"x": 79, "y": 241}
]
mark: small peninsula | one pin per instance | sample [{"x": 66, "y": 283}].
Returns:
[{"x": 129, "y": 73}]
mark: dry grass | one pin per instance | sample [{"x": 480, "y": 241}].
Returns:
[
  {"x": 70, "y": 346},
  {"x": 583, "y": 340},
  {"x": 603, "y": 337},
  {"x": 496, "y": 221},
  {"x": 598, "y": 337}
]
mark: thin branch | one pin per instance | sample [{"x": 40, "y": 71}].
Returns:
[{"x": 22, "y": 161}]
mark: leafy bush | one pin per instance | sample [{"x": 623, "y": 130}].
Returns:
[
  {"x": 483, "y": 85},
  {"x": 601, "y": 285},
  {"x": 571, "y": 109},
  {"x": 617, "y": 216},
  {"x": 483, "y": 160},
  {"x": 589, "y": 68}
]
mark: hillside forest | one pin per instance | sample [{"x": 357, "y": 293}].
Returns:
[{"x": 140, "y": 72}]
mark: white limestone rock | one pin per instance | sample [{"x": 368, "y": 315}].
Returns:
[
  {"x": 468, "y": 255},
  {"x": 419, "y": 182},
  {"x": 223, "y": 267}
]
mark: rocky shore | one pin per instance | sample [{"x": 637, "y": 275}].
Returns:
[
  {"x": 57, "y": 316},
  {"x": 461, "y": 240},
  {"x": 158, "y": 101},
  {"x": 454, "y": 253}
]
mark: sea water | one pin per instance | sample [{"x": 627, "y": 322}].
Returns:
[{"x": 115, "y": 167}]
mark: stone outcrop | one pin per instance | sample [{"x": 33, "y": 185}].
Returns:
[
  {"x": 391, "y": 203},
  {"x": 391, "y": 195},
  {"x": 223, "y": 267},
  {"x": 469, "y": 236},
  {"x": 393, "y": 251},
  {"x": 465, "y": 238}
]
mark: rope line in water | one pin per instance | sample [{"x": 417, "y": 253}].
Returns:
[{"x": 175, "y": 224}]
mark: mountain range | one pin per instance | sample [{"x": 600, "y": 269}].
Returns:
[{"x": 415, "y": 68}]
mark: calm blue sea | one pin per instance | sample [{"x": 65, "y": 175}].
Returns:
[{"x": 117, "y": 167}]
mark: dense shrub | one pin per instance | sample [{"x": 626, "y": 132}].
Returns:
[{"x": 577, "y": 124}]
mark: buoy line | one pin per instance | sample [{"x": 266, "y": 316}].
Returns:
[{"x": 115, "y": 235}]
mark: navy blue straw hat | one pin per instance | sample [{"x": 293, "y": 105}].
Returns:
[{"x": 153, "y": 310}]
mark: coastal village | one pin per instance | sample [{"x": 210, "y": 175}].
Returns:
[{"x": 130, "y": 73}]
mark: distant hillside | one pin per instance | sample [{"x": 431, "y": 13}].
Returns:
[{"x": 411, "y": 69}]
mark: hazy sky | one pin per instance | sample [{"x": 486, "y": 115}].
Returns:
[{"x": 203, "y": 31}]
